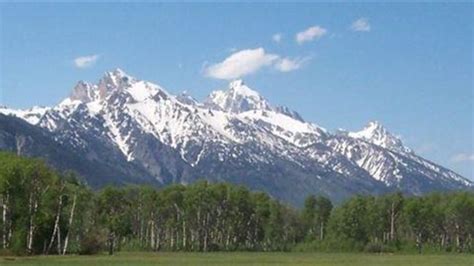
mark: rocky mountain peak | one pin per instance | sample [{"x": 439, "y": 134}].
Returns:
[
  {"x": 374, "y": 132},
  {"x": 236, "y": 83},
  {"x": 238, "y": 88},
  {"x": 237, "y": 98},
  {"x": 236, "y": 133},
  {"x": 83, "y": 92},
  {"x": 117, "y": 75},
  {"x": 113, "y": 80}
]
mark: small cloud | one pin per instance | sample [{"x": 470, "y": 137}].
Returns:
[
  {"x": 289, "y": 64},
  {"x": 86, "y": 61},
  {"x": 310, "y": 34},
  {"x": 277, "y": 37},
  {"x": 240, "y": 64},
  {"x": 362, "y": 24},
  {"x": 463, "y": 157}
]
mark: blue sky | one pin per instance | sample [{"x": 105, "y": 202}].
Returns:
[{"x": 409, "y": 66}]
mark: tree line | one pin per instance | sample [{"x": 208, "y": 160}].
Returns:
[{"x": 46, "y": 212}]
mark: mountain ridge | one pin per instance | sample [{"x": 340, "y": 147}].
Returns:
[{"x": 235, "y": 135}]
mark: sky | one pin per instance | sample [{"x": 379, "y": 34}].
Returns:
[{"x": 408, "y": 66}]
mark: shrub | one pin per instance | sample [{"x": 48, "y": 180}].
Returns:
[
  {"x": 18, "y": 243},
  {"x": 91, "y": 244},
  {"x": 377, "y": 248}
]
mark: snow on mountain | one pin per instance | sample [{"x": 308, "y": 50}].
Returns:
[
  {"x": 31, "y": 115},
  {"x": 185, "y": 98},
  {"x": 287, "y": 111},
  {"x": 376, "y": 134},
  {"x": 235, "y": 135},
  {"x": 237, "y": 98}
]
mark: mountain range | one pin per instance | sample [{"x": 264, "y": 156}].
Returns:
[{"x": 124, "y": 130}]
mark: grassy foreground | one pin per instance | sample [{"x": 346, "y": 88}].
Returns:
[{"x": 244, "y": 258}]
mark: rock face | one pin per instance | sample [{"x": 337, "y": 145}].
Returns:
[{"x": 235, "y": 135}]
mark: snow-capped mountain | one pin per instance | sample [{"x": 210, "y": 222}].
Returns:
[
  {"x": 234, "y": 135},
  {"x": 237, "y": 99},
  {"x": 31, "y": 115},
  {"x": 375, "y": 133}
]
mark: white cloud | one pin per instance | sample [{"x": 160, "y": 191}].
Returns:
[
  {"x": 362, "y": 24},
  {"x": 277, "y": 37},
  {"x": 288, "y": 64},
  {"x": 240, "y": 64},
  {"x": 310, "y": 34},
  {"x": 463, "y": 157},
  {"x": 86, "y": 61},
  {"x": 249, "y": 61}
]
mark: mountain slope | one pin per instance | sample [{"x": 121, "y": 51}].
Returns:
[
  {"x": 234, "y": 135},
  {"x": 103, "y": 166}
]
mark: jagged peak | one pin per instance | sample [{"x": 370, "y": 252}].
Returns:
[
  {"x": 236, "y": 83},
  {"x": 117, "y": 72},
  {"x": 372, "y": 128},
  {"x": 238, "y": 87},
  {"x": 237, "y": 98},
  {"x": 374, "y": 124},
  {"x": 114, "y": 80},
  {"x": 374, "y": 132},
  {"x": 83, "y": 91},
  {"x": 117, "y": 77}
]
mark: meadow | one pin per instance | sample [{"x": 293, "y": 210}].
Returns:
[{"x": 244, "y": 258}]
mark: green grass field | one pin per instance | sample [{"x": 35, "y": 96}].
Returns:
[{"x": 244, "y": 258}]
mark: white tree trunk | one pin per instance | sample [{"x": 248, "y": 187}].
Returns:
[
  {"x": 33, "y": 206},
  {"x": 56, "y": 227},
  {"x": 58, "y": 244},
  {"x": 184, "y": 234},
  {"x": 392, "y": 222},
  {"x": 71, "y": 218},
  {"x": 152, "y": 234},
  {"x": 4, "y": 221}
]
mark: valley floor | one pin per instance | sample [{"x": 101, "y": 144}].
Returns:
[{"x": 244, "y": 258}]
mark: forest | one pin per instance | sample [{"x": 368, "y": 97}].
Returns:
[{"x": 43, "y": 211}]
